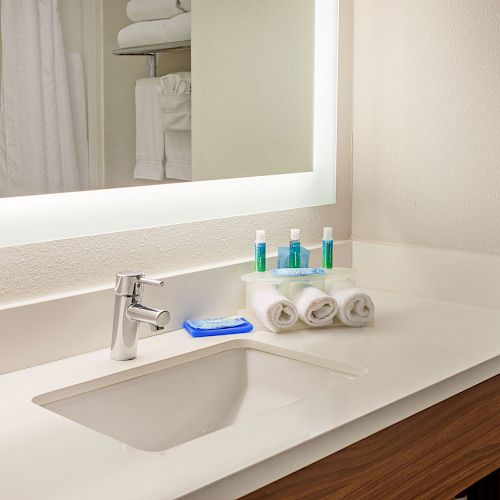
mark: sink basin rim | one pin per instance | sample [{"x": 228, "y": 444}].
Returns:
[{"x": 345, "y": 370}]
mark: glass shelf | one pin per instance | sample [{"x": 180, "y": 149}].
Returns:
[
  {"x": 148, "y": 50},
  {"x": 268, "y": 278}
]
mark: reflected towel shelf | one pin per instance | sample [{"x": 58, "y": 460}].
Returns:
[
  {"x": 148, "y": 50},
  {"x": 151, "y": 53}
]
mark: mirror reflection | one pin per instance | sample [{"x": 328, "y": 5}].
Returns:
[{"x": 103, "y": 94}]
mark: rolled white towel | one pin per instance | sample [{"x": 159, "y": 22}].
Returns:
[
  {"x": 150, "y": 10},
  {"x": 356, "y": 308},
  {"x": 273, "y": 309},
  {"x": 315, "y": 307},
  {"x": 177, "y": 29}
]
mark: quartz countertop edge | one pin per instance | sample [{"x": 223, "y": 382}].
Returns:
[{"x": 419, "y": 352}]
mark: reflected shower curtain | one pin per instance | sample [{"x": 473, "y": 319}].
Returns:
[{"x": 43, "y": 135}]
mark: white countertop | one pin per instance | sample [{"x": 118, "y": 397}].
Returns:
[{"x": 419, "y": 352}]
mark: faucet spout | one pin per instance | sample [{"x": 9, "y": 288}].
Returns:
[
  {"x": 129, "y": 312},
  {"x": 154, "y": 317}
]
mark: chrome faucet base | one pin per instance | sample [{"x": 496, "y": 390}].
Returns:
[{"x": 129, "y": 312}]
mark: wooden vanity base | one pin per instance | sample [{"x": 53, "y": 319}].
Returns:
[{"x": 432, "y": 455}]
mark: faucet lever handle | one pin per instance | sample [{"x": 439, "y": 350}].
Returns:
[
  {"x": 146, "y": 281},
  {"x": 129, "y": 284}
]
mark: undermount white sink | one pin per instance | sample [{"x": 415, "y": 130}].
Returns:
[{"x": 161, "y": 405}]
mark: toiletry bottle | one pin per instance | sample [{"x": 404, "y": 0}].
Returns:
[
  {"x": 260, "y": 252},
  {"x": 327, "y": 260},
  {"x": 295, "y": 249}
]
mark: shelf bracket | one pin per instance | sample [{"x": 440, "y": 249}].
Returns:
[
  {"x": 151, "y": 53},
  {"x": 151, "y": 65}
]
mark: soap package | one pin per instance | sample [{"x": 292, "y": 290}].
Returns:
[
  {"x": 284, "y": 257},
  {"x": 217, "y": 326}
]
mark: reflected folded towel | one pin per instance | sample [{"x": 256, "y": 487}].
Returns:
[
  {"x": 356, "y": 308},
  {"x": 179, "y": 163},
  {"x": 177, "y": 29},
  {"x": 175, "y": 98},
  {"x": 150, "y": 10},
  {"x": 273, "y": 309},
  {"x": 315, "y": 307},
  {"x": 150, "y": 135},
  {"x": 176, "y": 83}
]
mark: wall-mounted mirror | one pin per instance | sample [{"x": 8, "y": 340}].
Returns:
[
  {"x": 195, "y": 109},
  {"x": 166, "y": 91}
]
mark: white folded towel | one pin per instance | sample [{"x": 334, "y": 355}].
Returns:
[
  {"x": 356, "y": 308},
  {"x": 315, "y": 307},
  {"x": 175, "y": 97},
  {"x": 177, "y": 29},
  {"x": 273, "y": 309},
  {"x": 150, "y": 10},
  {"x": 150, "y": 135}
]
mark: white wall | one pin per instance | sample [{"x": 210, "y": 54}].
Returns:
[
  {"x": 33, "y": 272},
  {"x": 427, "y": 123}
]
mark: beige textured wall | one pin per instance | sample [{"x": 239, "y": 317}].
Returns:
[
  {"x": 427, "y": 123},
  {"x": 33, "y": 272},
  {"x": 253, "y": 99}
]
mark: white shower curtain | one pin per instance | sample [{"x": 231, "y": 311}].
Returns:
[{"x": 43, "y": 136}]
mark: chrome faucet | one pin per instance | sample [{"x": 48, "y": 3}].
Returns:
[{"x": 129, "y": 312}]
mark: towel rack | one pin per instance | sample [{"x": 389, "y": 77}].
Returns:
[{"x": 151, "y": 53}]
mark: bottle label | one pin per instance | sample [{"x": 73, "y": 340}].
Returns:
[
  {"x": 327, "y": 254},
  {"x": 295, "y": 254},
  {"x": 260, "y": 257}
]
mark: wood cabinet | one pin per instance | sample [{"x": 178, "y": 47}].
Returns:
[{"x": 432, "y": 455}]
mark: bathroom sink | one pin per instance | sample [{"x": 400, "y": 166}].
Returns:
[{"x": 158, "y": 406}]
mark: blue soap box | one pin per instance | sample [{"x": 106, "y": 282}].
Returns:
[{"x": 217, "y": 326}]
